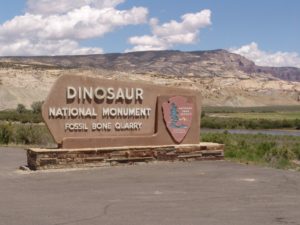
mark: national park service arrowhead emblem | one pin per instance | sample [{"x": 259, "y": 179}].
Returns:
[{"x": 178, "y": 114}]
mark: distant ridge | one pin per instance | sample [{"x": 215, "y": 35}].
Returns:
[{"x": 175, "y": 63}]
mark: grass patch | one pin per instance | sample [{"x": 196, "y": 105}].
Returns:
[{"x": 270, "y": 150}]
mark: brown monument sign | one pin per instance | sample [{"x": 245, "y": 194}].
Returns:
[
  {"x": 87, "y": 112},
  {"x": 103, "y": 122}
]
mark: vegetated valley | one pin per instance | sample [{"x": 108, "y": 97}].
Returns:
[{"x": 236, "y": 94}]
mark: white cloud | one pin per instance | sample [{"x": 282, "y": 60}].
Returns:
[
  {"x": 59, "y": 47},
  {"x": 48, "y": 7},
  {"x": 262, "y": 58},
  {"x": 169, "y": 34},
  {"x": 54, "y": 27}
]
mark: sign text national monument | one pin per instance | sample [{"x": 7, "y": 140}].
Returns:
[{"x": 93, "y": 119}]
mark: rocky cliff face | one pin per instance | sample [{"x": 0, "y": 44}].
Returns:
[{"x": 223, "y": 78}]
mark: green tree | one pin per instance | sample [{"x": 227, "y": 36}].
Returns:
[
  {"x": 21, "y": 108},
  {"x": 37, "y": 107}
]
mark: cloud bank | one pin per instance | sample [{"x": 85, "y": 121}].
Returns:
[
  {"x": 55, "y": 27},
  {"x": 262, "y": 58},
  {"x": 167, "y": 35}
]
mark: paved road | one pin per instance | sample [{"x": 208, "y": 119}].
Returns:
[{"x": 208, "y": 193}]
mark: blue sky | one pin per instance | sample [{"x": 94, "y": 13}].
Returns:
[{"x": 265, "y": 31}]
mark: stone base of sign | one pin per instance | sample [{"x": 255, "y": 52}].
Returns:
[{"x": 41, "y": 159}]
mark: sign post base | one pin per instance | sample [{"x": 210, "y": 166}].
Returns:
[{"x": 41, "y": 159}]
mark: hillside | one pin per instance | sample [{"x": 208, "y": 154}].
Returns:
[
  {"x": 198, "y": 63},
  {"x": 223, "y": 78}
]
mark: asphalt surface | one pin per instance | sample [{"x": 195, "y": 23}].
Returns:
[{"x": 210, "y": 192}]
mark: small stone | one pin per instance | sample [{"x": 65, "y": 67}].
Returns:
[{"x": 24, "y": 168}]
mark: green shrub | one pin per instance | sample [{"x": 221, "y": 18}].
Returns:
[
  {"x": 20, "y": 108},
  {"x": 280, "y": 157},
  {"x": 37, "y": 107},
  {"x": 5, "y": 133},
  {"x": 275, "y": 151},
  {"x": 26, "y": 135},
  {"x": 202, "y": 114},
  {"x": 32, "y": 134},
  {"x": 296, "y": 150}
]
